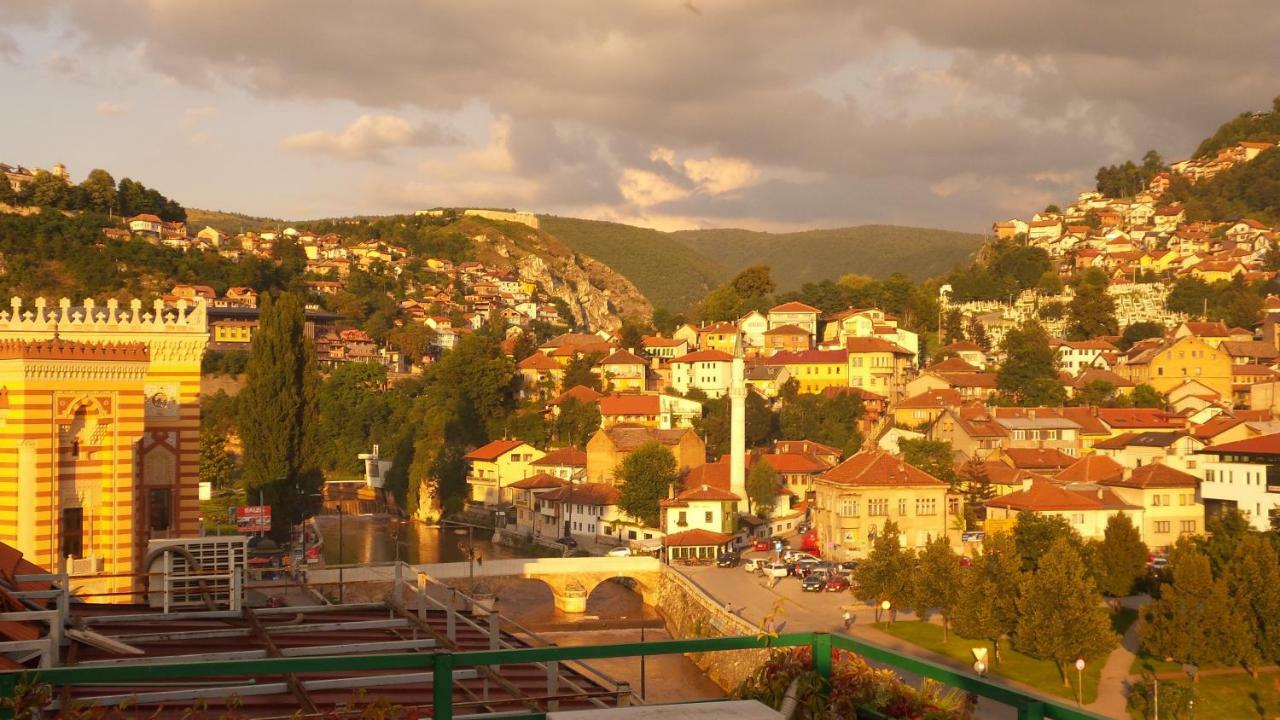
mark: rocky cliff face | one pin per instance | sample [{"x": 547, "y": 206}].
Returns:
[{"x": 598, "y": 297}]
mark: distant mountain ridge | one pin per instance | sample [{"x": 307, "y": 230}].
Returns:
[{"x": 675, "y": 270}]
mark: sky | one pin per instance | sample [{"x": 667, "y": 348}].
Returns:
[{"x": 666, "y": 113}]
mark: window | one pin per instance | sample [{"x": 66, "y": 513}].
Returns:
[
  {"x": 878, "y": 506},
  {"x": 848, "y": 508},
  {"x": 682, "y": 519},
  {"x": 707, "y": 519},
  {"x": 1158, "y": 500},
  {"x": 902, "y": 506},
  {"x": 1078, "y": 518},
  {"x": 1208, "y": 476},
  {"x": 1162, "y": 526},
  {"x": 159, "y": 509},
  {"x": 926, "y": 506},
  {"x": 1188, "y": 526},
  {"x": 73, "y": 532}
]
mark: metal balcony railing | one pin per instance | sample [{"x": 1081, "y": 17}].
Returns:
[{"x": 455, "y": 665}]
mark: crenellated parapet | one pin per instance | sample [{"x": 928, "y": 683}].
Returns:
[
  {"x": 41, "y": 317},
  {"x": 59, "y": 349}
]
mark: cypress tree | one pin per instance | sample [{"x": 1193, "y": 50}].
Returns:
[
  {"x": 278, "y": 415},
  {"x": 1122, "y": 556},
  {"x": 886, "y": 573},
  {"x": 1252, "y": 578},
  {"x": 1060, "y": 615},
  {"x": 936, "y": 583},
  {"x": 986, "y": 603},
  {"x": 1195, "y": 620}
]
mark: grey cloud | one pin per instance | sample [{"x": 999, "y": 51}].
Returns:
[{"x": 1013, "y": 89}]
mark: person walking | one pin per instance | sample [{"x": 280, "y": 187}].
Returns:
[{"x": 848, "y": 619}]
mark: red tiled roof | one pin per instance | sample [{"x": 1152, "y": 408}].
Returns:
[
  {"x": 538, "y": 361},
  {"x": 953, "y": 365},
  {"x": 1139, "y": 418},
  {"x": 809, "y": 357},
  {"x": 794, "y": 462},
  {"x": 866, "y": 395},
  {"x": 1261, "y": 445},
  {"x": 1044, "y": 495},
  {"x": 602, "y": 494},
  {"x": 1156, "y": 475},
  {"x": 630, "y": 404},
  {"x": 581, "y": 393},
  {"x": 1038, "y": 458},
  {"x": 697, "y": 538},
  {"x": 540, "y": 481},
  {"x": 1214, "y": 426},
  {"x": 945, "y": 397},
  {"x": 787, "y": 330},
  {"x": 876, "y": 467},
  {"x": 1207, "y": 329},
  {"x": 707, "y": 492},
  {"x": 1089, "y": 422},
  {"x": 871, "y": 344},
  {"x": 794, "y": 307},
  {"x": 1091, "y": 469},
  {"x": 623, "y": 357},
  {"x": 703, "y": 356},
  {"x": 562, "y": 457},
  {"x": 493, "y": 450},
  {"x": 805, "y": 446}
]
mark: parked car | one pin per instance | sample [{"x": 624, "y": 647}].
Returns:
[
  {"x": 568, "y": 541},
  {"x": 972, "y": 536},
  {"x": 803, "y": 567},
  {"x": 623, "y": 551},
  {"x": 848, "y": 566},
  {"x": 753, "y": 564},
  {"x": 761, "y": 544},
  {"x": 836, "y": 583},
  {"x": 776, "y": 570},
  {"x": 728, "y": 559},
  {"x": 793, "y": 555},
  {"x": 966, "y": 561},
  {"x": 813, "y": 583}
]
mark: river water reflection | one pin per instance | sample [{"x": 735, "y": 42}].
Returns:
[{"x": 379, "y": 539}]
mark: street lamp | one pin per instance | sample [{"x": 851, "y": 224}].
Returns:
[
  {"x": 980, "y": 668},
  {"x": 1079, "y": 681},
  {"x": 341, "y": 557},
  {"x": 885, "y": 605}
]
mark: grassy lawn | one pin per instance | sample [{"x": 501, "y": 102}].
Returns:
[
  {"x": 1236, "y": 696},
  {"x": 1040, "y": 674}
]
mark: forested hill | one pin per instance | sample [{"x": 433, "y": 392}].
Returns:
[
  {"x": 814, "y": 255},
  {"x": 671, "y": 274},
  {"x": 676, "y": 270}
]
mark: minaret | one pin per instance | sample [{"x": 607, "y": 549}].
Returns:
[{"x": 738, "y": 426}]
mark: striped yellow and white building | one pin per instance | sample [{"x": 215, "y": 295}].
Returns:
[{"x": 99, "y": 434}]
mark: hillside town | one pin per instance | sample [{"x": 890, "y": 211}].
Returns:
[{"x": 430, "y": 462}]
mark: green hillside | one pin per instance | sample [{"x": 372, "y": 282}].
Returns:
[
  {"x": 814, "y": 255},
  {"x": 231, "y": 223},
  {"x": 668, "y": 272}
]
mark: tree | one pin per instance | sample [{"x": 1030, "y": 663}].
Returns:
[
  {"x": 936, "y": 582},
  {"x": 278, "y": 414},
  {"x": 580, "y": 371},
  {"x": 1035, "y": 534},
  {"x": 216, "y": 465},
  {"x": 576, "y": 423},
  {"x": 714, "y": 426},
  {"x": 99, "y": 190},
  {"x": 932, "y": 456},
  {"x": 8, "y": 195},
  {"x": 830, "y": 420},
  {"x": 762, "y": 488},
  {"x": 632, "y": 334},
  {"x": 1060, "y": 617},
  {"x": 977, "y": 487},
  {"x": 1225, "y": 531},
  {"x": 952, "y": 327},
  {"x": 1145, "y": 396},
  {"x": 754, "y": 281},
  {"x": 1029, "y": 375},
  {"x": 1091, "y": 313},
  {"x": 986, "y": 606},
  {"x": 1122, "y": 557},
  {"x": 886, "y": 573},
  {"x": 48, "y": 190},
  {"x": 1098, "y": 393},
  {"x": 665, "y": 321},
  {"x": 1195, "y": 620},
  {"x": 978, "y": 334},
  {"x": 414, "y": 340},
  {"x": 645, "y": 476},
  {"x": 1251, "y": 578}
]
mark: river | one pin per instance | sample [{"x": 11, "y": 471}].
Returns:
[{"x": 382, "y": 539}]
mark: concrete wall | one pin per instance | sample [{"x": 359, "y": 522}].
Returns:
[{"x": 690, "y": 612}]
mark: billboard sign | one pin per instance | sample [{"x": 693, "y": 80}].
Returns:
[{"x": 253, "y": 518}]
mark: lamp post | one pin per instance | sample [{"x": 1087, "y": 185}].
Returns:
[
  {"x": 471, "y": 547},
  {"x": 1079, "y": 681},
  {"x": 341, "y": 557},
  {"x": 885, "y": 606}
]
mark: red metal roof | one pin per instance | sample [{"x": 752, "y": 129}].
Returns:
[
  {"x": 1261, "y": 445},
  {"x": 494, "y": 450},
  {"x": 630, "y": 404},
  {"x": 697, "y": 538},
  {"x": 878, "y": 468}
]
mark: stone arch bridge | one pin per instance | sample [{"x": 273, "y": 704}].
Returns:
[{"x": 571, "y": 579}]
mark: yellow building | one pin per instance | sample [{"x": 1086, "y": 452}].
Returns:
[
  {"x": 815, "y": 370},
  {"x": 99, "y": 433},
  {"x": 1087, "y": 508},
  {"x": 1169, "y": 500},
  {"x": 1166, "y": 364},
  {"x": 496, "y": 466},
  {"x": 878, "y": 365},
  {"x": 234, "y": 332},
  {"x": 854, "y": 500}
]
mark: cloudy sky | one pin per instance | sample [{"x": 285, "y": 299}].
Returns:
[{"x": 669, "y": 113}]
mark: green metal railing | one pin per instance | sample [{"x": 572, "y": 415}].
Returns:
[{"x": 443, "y": 664}]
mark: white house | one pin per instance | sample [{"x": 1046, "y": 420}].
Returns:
[
  {"x": 706, "y": 370},
  {"x": 1244, "y": 475}
]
